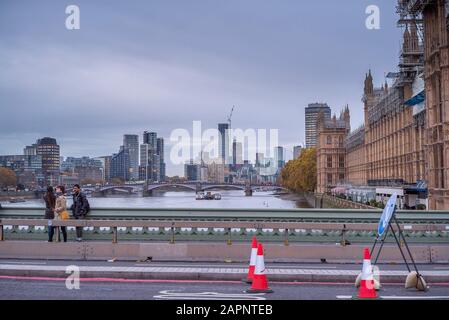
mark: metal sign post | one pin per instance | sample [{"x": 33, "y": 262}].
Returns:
[{"x": 385, "y": 225}]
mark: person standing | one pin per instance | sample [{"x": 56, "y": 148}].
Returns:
[
  {"x": 50, "y": 202},
  {"x": 80, "y": 208},
  {"x": 60, "y": 208}
]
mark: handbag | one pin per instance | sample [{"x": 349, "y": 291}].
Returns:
[{"x": 64, "y": 215}]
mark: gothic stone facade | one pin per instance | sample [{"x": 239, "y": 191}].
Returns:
[
  {"x": 436, "y": 57},
  {"x": 355, "y": 157},
  {"x": 331, "y": 150},
  {"x": 394, "y": 138}
]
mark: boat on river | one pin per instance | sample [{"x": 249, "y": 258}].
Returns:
[
  {"x": 17, "y": 200},
  {"x": 208, "y": 196}
]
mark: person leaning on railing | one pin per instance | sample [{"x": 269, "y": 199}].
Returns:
[
  {"x": 50, "y": 202},
  {"x": 61, "y": 209},
  {"x": 80, "y": 208}
]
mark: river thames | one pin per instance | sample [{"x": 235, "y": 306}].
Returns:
[{"x": 230, "y": 199}]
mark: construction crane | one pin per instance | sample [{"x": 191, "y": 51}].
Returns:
[{"x": 230, "y": 117}]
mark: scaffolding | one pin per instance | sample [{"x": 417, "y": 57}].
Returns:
[
  {"x": 391, "y": 103},
  {"x": 356, "y": 138},
  {"x": 412, "y": 7},
  {"x": 411, "y": 61}
]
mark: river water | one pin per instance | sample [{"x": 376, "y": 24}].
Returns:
[{"x": 230, "y": 199}]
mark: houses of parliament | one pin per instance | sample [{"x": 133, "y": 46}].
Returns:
[{"x": 404, "y": 140}]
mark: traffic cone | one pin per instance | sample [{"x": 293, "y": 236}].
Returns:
[
  {"x": 367, "y": 289},
  {"x": 260, "y": 283},
  {"x": 252, "y": 262}
]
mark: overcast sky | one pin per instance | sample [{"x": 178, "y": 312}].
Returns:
[{"x": 159, "y": 65}]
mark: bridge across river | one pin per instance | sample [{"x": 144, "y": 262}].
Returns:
[{"x": 148, "y": 189}]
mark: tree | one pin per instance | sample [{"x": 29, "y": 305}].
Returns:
[
  {"x": 300, "y": 175},
  {"x": 8, "y": 178},
  {"x": 89, "y": 181},
  {"x": 117, "y": 180}
]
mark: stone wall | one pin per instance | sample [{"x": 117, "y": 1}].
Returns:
[{"x": 327, "y": 201}]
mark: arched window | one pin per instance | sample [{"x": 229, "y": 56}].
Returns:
[{"x": 329, "y": 140}]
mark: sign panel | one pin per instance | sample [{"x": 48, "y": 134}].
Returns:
[{"x": 387, "y": 214}]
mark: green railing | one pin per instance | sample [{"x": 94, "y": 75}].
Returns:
[
  {"x": 337, "y": 215},
  {"x": 283, "y": 225}
]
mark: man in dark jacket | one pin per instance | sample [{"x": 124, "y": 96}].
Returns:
[{"x": 80, "y": 207}]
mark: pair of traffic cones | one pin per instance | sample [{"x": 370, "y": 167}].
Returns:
[
  {"x": 256, "y": 271},
  {"x": 367, "y": 288}
]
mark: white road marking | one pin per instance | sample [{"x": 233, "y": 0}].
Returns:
[
  {"x": 173, "y": 295},
  {"x": 23, "y": 263},
  {"x": 344, "y": 297}
]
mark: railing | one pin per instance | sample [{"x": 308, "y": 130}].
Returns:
[
  {"x": 228, "y": 225},
  {"x": 217, "y": 214}
]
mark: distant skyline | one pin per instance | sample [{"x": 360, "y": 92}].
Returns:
[{"x": 159, "y": 65}]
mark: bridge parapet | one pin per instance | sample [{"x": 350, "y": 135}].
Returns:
[
  {"x": 297, "y": 225},
  {"x": 184, "y": 230}
]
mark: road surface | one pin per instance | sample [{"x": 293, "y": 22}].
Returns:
[{"x": 30, "y": 288}]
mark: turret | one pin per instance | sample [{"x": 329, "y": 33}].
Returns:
[
  {"x": 347, "y": 117},
  {"x": 369, "y": 87}
]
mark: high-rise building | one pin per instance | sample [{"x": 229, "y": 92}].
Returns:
[
  {"x": 120, "y": 165},
  {"x": 237, "y": 153},
  {"x": 224, "y": 141},
  {"x": 131, "y": 145},
  {"x": 49, "y": 150},
  {"x": 150, "y": 138},
  {"x": 216, "y": 171},
  {"x": 192, "y": 172},
  {"x": 259, "y": 159},
  {"x": 30, "y": 150},
  {"x": 33, "y": 163},
  {"x": 152, "y": 165},
  {"x": 106, "y": 162},
  {"x": 160, "y": 153},
  {"x": 146, "y": 162},
  {"x": 297, "y": 152},
  {"x": 156, "y": 168},
  {"x": 279, "y": 157},
  {"x": 311, "y": 116}
]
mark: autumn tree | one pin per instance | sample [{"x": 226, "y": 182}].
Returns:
[
  {"x": 300, "y": 175},
  {"x": 90, "y": 181},
  {"x": 7, "y": 178},
  {"x": 117, "y": 180}
]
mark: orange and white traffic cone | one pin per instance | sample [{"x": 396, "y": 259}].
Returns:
[
  {"x": 252, "y": 262},
  {"x": 260, "y": 283},
  {"x": 367, "y": 289}
]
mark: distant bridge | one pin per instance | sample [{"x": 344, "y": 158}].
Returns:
[{"x": 195, "y": 187}]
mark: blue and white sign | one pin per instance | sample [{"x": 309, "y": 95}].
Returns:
[{"x": 387, "y": 214}]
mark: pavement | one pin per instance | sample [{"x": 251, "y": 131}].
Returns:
[{"x": 278, "y": 272}]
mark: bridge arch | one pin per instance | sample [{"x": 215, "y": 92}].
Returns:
[
  {"x": 171, "y": 185},
  {"x": 223, "y": 187},
  {"x": 125, "y": 187}
]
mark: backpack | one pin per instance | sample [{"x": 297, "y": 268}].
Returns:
[{"x": 86, "y": 205}]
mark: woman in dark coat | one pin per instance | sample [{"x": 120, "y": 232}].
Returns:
[{"x": 50, "y": 202}]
